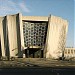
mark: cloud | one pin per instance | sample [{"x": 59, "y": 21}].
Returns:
[
  {"x": 3, "y": 8},
  {"x": 11, "y": 7},
  {"x": 23, "y": 7}
]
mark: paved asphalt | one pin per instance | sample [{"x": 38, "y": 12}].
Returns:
[
  {"x": 37, "y": 67},
  {"x": 37, "y": 71}
]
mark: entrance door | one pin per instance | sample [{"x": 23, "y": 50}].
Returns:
[{"x": 33, "y": 53}]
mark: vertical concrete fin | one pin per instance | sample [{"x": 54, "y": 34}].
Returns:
[
  {"x": 56, "y": 37},
  {"x": 48, "y": 30},
  {"x": 14, "y": 31},
  {"x": 2, "y": 33},
  {"x": 12, "y": 35},
  {"x": 19, "y": 34}
]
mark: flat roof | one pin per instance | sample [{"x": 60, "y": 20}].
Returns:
[{"x": 35, "y": 18}]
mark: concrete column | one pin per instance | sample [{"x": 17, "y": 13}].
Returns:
[
  {"x": 14, "y": 35},
  {"x": 0, "y": 41},
  {"x": 55, "y": 41},
  {"x": 14, "y": 23},
  {"x": 20, "y": 39},
  {"x": 2, "y": 34},
  {"x": 21, "y": 34}
]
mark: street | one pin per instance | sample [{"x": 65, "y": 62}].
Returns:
[{"x": 37, "y": 67}]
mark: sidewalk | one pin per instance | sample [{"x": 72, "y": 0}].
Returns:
[{"x": 36, "y": 62}]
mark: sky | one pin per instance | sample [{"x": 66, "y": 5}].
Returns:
[{"x": 61, "y": 8}]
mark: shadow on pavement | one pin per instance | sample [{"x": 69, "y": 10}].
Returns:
[{"x": 37, "y": 71}]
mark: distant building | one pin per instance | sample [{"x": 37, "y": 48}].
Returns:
[
  {"x": 69, "y": 52},
  {"x": 32, "y": 36}
]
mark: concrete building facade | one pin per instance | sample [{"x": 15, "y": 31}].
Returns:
[
  {"x": 32, "y": 36},
  {"x": 69, "y": 53}
]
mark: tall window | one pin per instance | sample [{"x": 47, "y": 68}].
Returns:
[
  {"x": 68, "y": 51},
  {"x": 72, "y": 51}
]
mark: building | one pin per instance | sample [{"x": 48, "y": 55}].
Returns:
[
  {"x": 32, "y": 36},
  {"x": 69, "y": 53}
]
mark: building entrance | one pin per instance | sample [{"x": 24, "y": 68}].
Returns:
[{"x": 33, "y": 53}]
